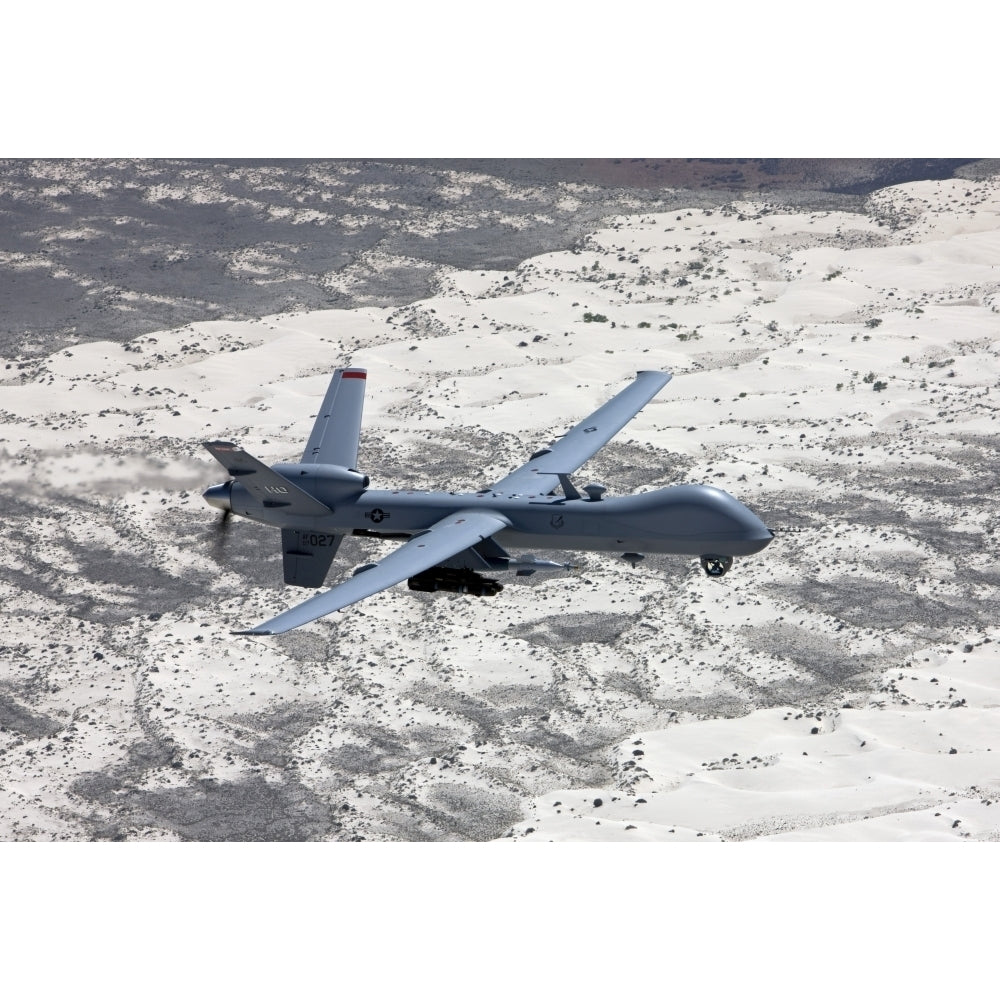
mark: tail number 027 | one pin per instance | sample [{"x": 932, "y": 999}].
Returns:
[{"x": 317, "y": 541}]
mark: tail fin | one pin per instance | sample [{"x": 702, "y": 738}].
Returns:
[
  {"x": 307, "y": 555},
  {"x": 335, "y": 435}
]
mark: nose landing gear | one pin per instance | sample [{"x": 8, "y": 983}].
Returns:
[{"x": 716, "y": 565}]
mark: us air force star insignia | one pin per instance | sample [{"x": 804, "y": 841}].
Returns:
[
  {"x": 557, "y": 521},
  {"x": 377, "y": 515}
]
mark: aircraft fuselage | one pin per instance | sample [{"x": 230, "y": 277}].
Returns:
[{"x": 682, "y": 520}]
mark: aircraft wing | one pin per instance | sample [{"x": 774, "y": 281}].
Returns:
[
  {"x": 566, "y": 454},
  {"x": 441, "y": 541}
]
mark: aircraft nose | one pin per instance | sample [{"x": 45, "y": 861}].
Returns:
[
  {"x": 757, "y": 534},
  {"x": 220, "y": 496},
  {"x": 753, "y": 534}
]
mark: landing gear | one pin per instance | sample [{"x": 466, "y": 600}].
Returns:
[
  {"x": 454, "y": 581},
  {"x": 716, "y": 565}
]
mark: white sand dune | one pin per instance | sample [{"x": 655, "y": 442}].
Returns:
[{"x": 837, "y": 372}]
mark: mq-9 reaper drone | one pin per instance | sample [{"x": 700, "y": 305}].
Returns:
[{"x": 451, "y": 539}]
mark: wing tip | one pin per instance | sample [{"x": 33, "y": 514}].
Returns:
[{"x": 254, "y": 631}]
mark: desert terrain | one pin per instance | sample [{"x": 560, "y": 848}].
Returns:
[{"x": 835, "y": 368}]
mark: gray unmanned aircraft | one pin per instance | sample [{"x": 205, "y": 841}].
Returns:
[{"x": 452, "y": 538}]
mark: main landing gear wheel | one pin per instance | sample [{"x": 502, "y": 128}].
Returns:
[{"x": 716, "y": 565}]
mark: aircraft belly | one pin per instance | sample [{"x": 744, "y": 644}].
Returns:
[{"x": 722, "y": 543}]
